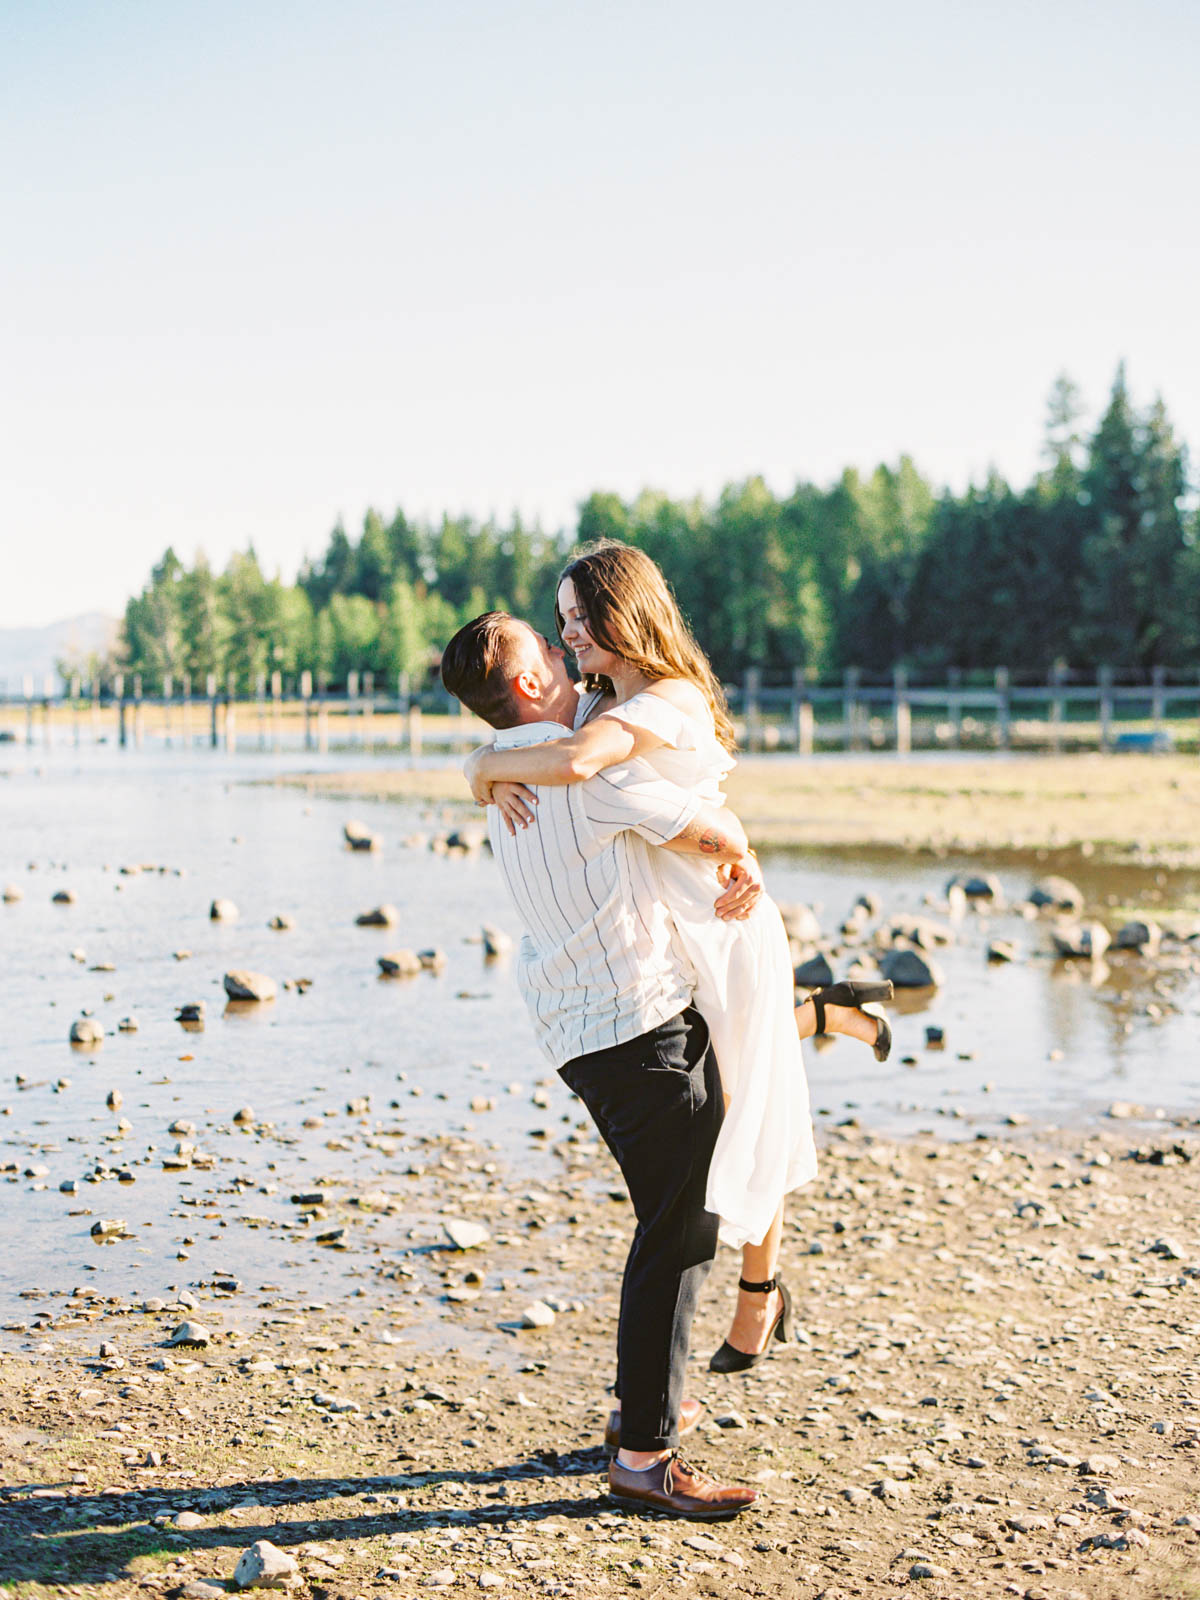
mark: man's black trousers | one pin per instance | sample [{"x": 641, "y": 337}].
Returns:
[{"x": 657, "y": 1103}]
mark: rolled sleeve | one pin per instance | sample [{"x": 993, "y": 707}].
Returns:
[{"x": 632, "y": 796}]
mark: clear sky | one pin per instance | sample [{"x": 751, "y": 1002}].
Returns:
[{"x": 266, "y": 264}]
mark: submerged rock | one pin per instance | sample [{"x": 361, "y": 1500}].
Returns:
[
  {"x": 909, "y": 969},
  {"x": 1056, "y": 894},
  {"x": 1085, "y": 941},
  {"x": 385, "y": 916},
  {"x": 814, "y": 973}
]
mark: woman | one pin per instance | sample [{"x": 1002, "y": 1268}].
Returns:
[{"x": 650, "y": 692}]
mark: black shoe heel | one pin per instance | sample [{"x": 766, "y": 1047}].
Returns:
[
  {"x": 730, "y": 1359},
  {"x": 858, "y": 995}
]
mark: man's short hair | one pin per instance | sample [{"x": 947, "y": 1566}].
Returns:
[{"x": 476, "y": 665}]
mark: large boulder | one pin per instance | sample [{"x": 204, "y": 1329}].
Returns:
[
  {"x": 909, "y": 928},
  {"x": 359, "y": 837},
  {"x": 385, "y": 916},
  {"x": 800, "y": 922},
  {"x": 978, "y": 886},
  {"x": 1056, "y": 894},
  {"x": 814, "y": 973},
  {"x": 1084, "y": 941},
  {"x": 1142, "y": 934},
  {"x": 400, "y": 964},
  {"x": 242, "y": 985},
  {"x": 909, "y": 969}
]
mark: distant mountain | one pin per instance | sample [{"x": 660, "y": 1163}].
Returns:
[{"x": 36, "y": 651}]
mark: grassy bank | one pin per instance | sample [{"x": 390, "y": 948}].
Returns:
[{"x": 1118, "y": 806}]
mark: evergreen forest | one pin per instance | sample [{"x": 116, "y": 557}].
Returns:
[{"x": 1097, "y": 561}]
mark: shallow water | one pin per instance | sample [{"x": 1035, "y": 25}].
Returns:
[{"x": 1043, "y": 1039}]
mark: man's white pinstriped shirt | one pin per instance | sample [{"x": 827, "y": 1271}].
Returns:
[{"x": 598, "y": 964}]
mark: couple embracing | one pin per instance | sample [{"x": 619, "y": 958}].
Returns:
[{"x": 656, "y": 971}]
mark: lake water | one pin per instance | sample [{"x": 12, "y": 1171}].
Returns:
[{"x": 1040, "y": 1039}]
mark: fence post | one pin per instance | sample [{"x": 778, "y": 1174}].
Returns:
[
  {"x": 186, "y": 737},
  {"x": 1106, "y": 707},
  {"x": 903, "y": 712},
  {"x": 751, "y": 687},
  {"x": 1158, "y": 701},
  {"x": 119, "y": 696},
  {"x": 276, "y": 710},
  {"x": 1003, "y": 708},
  {"x": 1058, "y": 674},
  {"x": 802, "y": 712},
  {"x": 850, "y": 681},
  {"x": 306, "y": 693}
]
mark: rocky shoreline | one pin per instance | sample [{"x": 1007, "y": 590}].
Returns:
[{"x": 996, "y": 1391}]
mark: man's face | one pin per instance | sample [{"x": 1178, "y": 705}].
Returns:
[{"x": 543, "y": 666}]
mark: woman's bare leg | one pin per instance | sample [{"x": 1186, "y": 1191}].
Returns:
[
  {"x": 755, "y": 1314},
  {"x": 855, "y": 1024}
]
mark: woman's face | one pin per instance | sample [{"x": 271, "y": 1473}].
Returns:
[{"x": 589, "y": 656}]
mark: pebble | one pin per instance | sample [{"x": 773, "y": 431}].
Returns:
[
  {"x": 265, "y": 1566},
  {"x": 223, "y": 911},
  {"x": 190, "y": 1333},
  {"x": 928, "y": 1569},
  {"x": 86, "y": 1030},
  {"x": 400, "y": 964},
  {"x": 243, "y": 985},
  {"x": 385, "y": 916},
  {"x": 537, "y": 1315},
  {"x": 470, "y": 1236},
  {"x": 441, "y": 1579},
  {"x": 731, "y": 1419}
]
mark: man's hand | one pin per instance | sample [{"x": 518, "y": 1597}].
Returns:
[{"x": 744, "y": 888}]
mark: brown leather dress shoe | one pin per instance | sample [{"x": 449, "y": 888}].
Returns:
[
  {"x": 675, "y": 1487},
  {"x": 689, "y": 1416}
]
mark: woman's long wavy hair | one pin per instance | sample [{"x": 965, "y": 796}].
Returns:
[{"x": 631, "y": 611}]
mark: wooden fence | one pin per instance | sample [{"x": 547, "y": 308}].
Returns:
[{"x": 801, "y": 715}]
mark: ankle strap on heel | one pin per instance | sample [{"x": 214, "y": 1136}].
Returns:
[{"x": 758, "y": 1288}]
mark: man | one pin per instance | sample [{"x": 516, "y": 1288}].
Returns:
[{"x": 610, "y": 1001}]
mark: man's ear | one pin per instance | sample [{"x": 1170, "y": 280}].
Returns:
[{"x": 526, "y": 686}]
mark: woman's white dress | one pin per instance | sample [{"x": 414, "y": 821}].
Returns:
[{"x": 744, "y": 991}]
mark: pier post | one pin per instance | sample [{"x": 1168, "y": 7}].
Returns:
[
  {"x": 27, "y": 690},
  {"x": 322, "y": 714},
  {"x": 260, "y": 707},
  {"x": 210, "y": 689},
  {"x": 139, "y": 720},
  {"x": 903, "y": 712},
  {"x": 277, "y": 710},
  {"x": 954, "y": 705},
  {"x": 75, "y": 688},
  {"x": 230, "y": 713},
  {"x": 168, "y": 694},
  {"x": 414, "y": 731},
  {"x": 368, "y": 710},
  {"x": 94, "y": 716},
  {"x": 187, "y": 710},
  {"x": 119, "y": 697}
]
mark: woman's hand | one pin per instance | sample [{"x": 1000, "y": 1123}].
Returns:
[
  {"x": 475, "y": 772},
  {"x": 515, "y": 804},
  {"x": 744, "y": 888}
]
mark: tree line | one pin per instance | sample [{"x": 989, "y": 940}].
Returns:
[{"x": 1096, "y": 561}]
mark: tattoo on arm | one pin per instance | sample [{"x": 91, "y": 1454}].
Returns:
[{"x": 712, "y": 843}]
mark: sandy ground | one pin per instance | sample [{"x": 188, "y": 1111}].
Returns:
[
  {"x": 1124, "y": 807},
  {"x": 996, "y": 1392}
]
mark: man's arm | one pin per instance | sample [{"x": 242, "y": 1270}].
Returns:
[{"x": 713, "y": 832}]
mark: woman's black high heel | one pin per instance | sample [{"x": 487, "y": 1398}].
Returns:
[
  {"x": 729, "y": 1359},
  {"x": 858, "y": 996}
]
